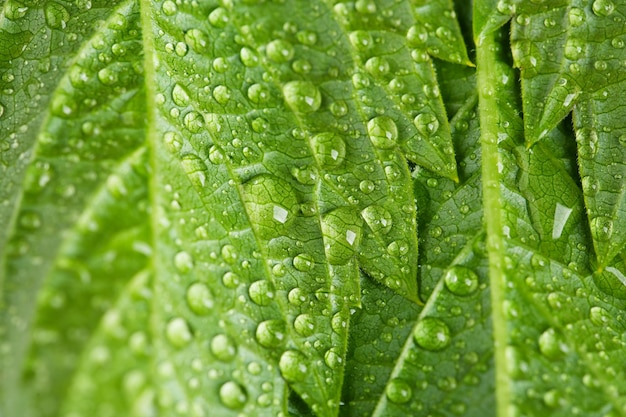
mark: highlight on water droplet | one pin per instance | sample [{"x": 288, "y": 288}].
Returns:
[{"x": 432, "y": 334}]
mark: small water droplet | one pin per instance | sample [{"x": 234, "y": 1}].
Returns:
[
  {"x": 461, "y": 280},
  {"x": 329, "y": 148},
  {"x": 223, "y": 348},
  {"x": 365, "y": 6},
  {"x": 383, "y": 132},
  {"x": 173, "y": 141},
  {"x": 221, "y": 94},
  {"x": 271, "y": 204},
  {"x": 398, "y": 391},
  {"x": 178, "y": 332},
  {"x": 233, "y": 395},
  {"x": 199, "y": 298},
  {"x": 183, "y": 262},
  {"x": 302, "y": 96},
  {"x": 432, "y": 334},
  {"x": 292, "y": 366},
  {"x": 417, "y": 36}
]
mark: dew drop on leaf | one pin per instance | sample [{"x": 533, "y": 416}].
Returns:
[
  {"x": 304, "y": 324},
  {"x": 601, "y": 228},
  {"x": 230, "y": 280},
  {"x": 56, "y": 15},
  {"x": 603, "y": 8},
  {"x": 193, "y": 121},
  {"x": 461, "y": 280},
  {"x": 426, "y": 123},
  {"x": 398, "y": 391},
  {"x": 383, "y": 132},
  {"x": 271, "y": 333},
  {"x": 377, "y": 66},
  {"x": 199, "y": 298},
  {"x": 197, "y": 40},
  {"x": 296, "y": 296},
  {"x": 329, "y": 148},
  {"x": 361, "y": 39},
  {"x": 576, "y": 16},
  {"x": 233, "y": 395},
  {"x": 551, "y": 344},
  {"x": 258, "y": 93},
  {"x": 332, "y": 358},
  {"x": 180, "y": 95},
  {"x": 342, "y": 233},
  {"x": 377, "y": 218},
  {"x": 218, "y": 17},
  {"x": 279, "y": 50},
  {"x": 303, "y": 262},
  {"x": 178, "y": 332},
  {"x": 223, "y": 348},
  {"x": 293, "y": 366},
  {"x": 183, "y": 262},
  {"x": 302, "y": 96},
  {"x": 432, "y": 334},
  {"x": 169, "y": 8},
  {"x": 229, "y": 253},
  {"x": 261, "y": 292},
  {"x": 221, "y": 94}
]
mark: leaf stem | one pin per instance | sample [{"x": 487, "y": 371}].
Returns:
[{"x": 490, "y": 117}]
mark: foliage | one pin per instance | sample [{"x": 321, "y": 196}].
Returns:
[{"x": 312, "y": 208}]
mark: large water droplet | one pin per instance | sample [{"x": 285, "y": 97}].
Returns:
[
  {"x": 258, "y": 93},
  {"x": 551, "y": 344},
  {"x": 180, "y": 95},
  {"x": 601, "y": 228},
  {"x": 342, "y": 234},
  {"x": 383, "y": 132},
  {"x": 603, "y": 7},
  {"x": 197, "y": 40},
  {"x": 271, "y": 333},
  {"x": 329, "y": 148},
  {"x": 426, "y": 123},
  {"x": 218, "y": 17},
  {"x": 56, "y": 15},
  {"x": 302, "y": 96},
  {"x": 223, "y": 348},
  {"x": 293, "y": 366},
  {"x": 271, "y": 204},
  {"x": 173, "y": 142},
  {"x": 432, "y": 334},
  {"x": 178, "y": 332},
  {"x": 221, "y": 94},
  {"x": 377, "y": 218},
  {"x": 233, "y": 395},
  {"x": 574, "y": 48},
  {"x": 229, "y": 253},
  {"x": 199, "y": 298},
  {"x": 398, "y": 391},
  {"x": 361, "y": 39},
  {"x": 461, "y": 280},
  {"x": 261, "y": 292},
  {"x": 377, "y": 66},
  {"x": 169, "y": 8},
  {"x": 576, "y": 16},
  {"x": 333, "y": 358},
  {"x": 304, "y": 324},
  {"x": 303, "y": 262}
]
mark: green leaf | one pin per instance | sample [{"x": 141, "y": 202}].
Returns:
[{"x": 214, "y": 208}]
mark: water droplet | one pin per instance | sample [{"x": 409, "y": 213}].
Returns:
[
  {"x": 221, "y": 94},
  {"x": 329, "y": 148},
  {"x": 178, "y": 332},
  {"x": 505, "y": 7},
  {"x": 280, "y": 50},
  {"x": 302, "y": 96},
  {"x": 248, "y": 57},
  {"x": 365, "y": 6},
  {"x": 601, "y": 228},
  {"x": 332, "y": 358},
  {"x": 551, "y": 344},
  {"x": 199, "y": 298},
  {"x": 261, "y": 292},
  {"x": 417, "y": 36},
  {"x": 229, "y": 253},
  {"x": 296, "y": 296},
  {"x": 461, "y": 280},
  {"x": 271, "y": 333},
  {"x": 303, "y": 262},
  {"x": 14, "y": 10},
  {"x": 197, "y": 40},
  {"x": 258, "y": 93},
  {"x": 292, "y": 366},
  {"x": 233, "y": 395},
  {"x": 230, "y": 280},
  {"x": 617, "y": 43},
  {"x": 169, "y": 8},
  {"x": 342, "y": 234},
  {"x": 398, "y": 391},
  {"x": 271, "y": 204},
  {"x": 574, "y": 48},
  {"x": 183, "y": 262},
  {"x": 193, "y": 121},
  {"x": 377, "y": 66},
  {"x": 552, "y": 398},
  {"x": 432, "y": 334},
  {"x": 576, "y": 16},
  {"x": 223, "y": 348},
  {"x": 307, "y": 37},
  {"x": 220, "y": 65},
  {"x": 304, "y": 324},
  {"x": 397, "y": 248},
  {"x": 63, "y": 105},
  {"x": 218, "y": 17},
  {"x": 180, "y": 95},
  {"x": 367, "y": 186},
  {"x": 383, "y": 132},
  {"x": 338, "y": 323},
  {"x": 377, "y": 218},
  {"x": 30, "y": 220},
  {"x": 603, "y": 7},
  {"x": 426, "y": 123},
  {"x": 56, "y": 15},
  {"x": 361, "y": 39}
]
